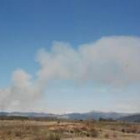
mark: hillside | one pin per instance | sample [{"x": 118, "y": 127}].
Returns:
[
  {"x": 72, "y": 116},
  {"x": 131, "y": 118}
]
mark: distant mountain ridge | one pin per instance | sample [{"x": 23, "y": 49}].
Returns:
[
  {"x": 131, "y": 118},
  {"x": 73, "y": 116},
  {"x": 26, "y": 114},
  {"x": 95, "y": 115}
]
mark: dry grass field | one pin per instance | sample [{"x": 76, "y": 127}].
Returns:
[{"x": 67, "y": 130}]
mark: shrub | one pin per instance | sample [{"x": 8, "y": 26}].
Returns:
[
  {"x": 18, "y": 134},
  {"x": 106, "y": 135},
  {"x": 94, "y": 133},
  {"x": 50, "y": 136},
  {"x": 53, "y": 136},
  {"x": 114, "y": 135},
  {"x": 123, "y": 130}
]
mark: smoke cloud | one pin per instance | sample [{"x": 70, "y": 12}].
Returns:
[{"x": 111, "y": 61}]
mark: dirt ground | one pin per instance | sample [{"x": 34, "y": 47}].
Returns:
[{"x": 67, "y": 130}]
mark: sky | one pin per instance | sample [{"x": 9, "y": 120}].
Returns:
[{"x": 60, "y": 56}]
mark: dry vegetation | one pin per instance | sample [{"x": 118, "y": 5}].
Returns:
[{"x": 67, "y": 130}]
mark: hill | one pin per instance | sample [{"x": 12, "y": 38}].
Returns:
[
  {"x": 72, "y": 116},
  {"x": 131, "y": 118}
]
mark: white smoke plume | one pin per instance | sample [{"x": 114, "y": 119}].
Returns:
[
  {"x": 112, "y": 61},
  {"x": 21, "y": 94}
]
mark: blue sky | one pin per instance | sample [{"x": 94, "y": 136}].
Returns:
[{"x": 26, "y": 26}]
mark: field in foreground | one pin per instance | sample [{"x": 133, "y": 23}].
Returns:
[{"x": 67, "y": 130}]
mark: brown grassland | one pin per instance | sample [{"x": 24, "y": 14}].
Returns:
[{"x": 67, "y": 130}]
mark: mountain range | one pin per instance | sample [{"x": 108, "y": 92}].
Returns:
[
  {"x": 96, "y": 115},
  {"x": 131, "y": 118}
]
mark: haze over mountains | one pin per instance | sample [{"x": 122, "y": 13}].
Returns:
[
  {"x": 131, "y": 118},
  {"x": 96, "y": 115}
]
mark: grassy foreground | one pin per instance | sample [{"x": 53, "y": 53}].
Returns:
[{"x": 67, "y": 130}]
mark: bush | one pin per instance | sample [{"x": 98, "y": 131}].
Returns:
[
  {"x": 53, "y": 136},
  {"x": 50, "y": 136},
  {"x": 106, "y": 135},
  {"x": 94, "y": 133},
  {"x": 18, "y": 134},
  {"x": 114, "y": 135},
  {"x": 123, "y": 130}
]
